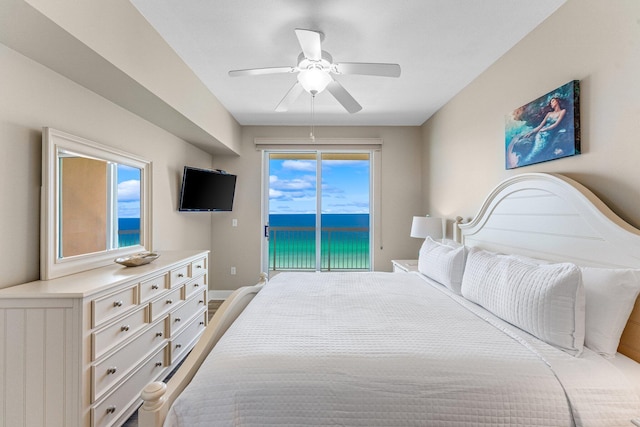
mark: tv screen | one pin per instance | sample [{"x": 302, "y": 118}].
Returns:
[{"x": 206, "y": 190}]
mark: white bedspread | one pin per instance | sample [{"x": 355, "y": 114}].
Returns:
[{"x": 390, "y": 349}]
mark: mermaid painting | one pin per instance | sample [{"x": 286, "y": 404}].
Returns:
[{"x": 556, "y": 134}]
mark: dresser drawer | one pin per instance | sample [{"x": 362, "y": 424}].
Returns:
[
  {"x": 182, "y": 315},
  {"x": 184, "y": 340},
  {"x": 112, "y": 369},
  {"x": 165, "y": 303},
  {"x": 151, "y": 288},
  {"x": 107, "y": 412},
  {"x": 198, "y": 267},
  {"x": 195, "y": 285},
  {"x": 178, "y": 276},
  {"x": 110, "y": 306},
  {"x": 127, "y": 326}
]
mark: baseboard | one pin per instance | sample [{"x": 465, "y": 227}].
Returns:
[{"x": 219, "y": 295}]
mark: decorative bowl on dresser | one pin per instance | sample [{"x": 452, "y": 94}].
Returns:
[{"x": 77, "y": 350}]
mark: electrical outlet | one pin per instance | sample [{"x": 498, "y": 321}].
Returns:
[{"x": 233, "y": 271}]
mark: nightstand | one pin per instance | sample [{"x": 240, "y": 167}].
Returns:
[{"x": 404, "y": 265}]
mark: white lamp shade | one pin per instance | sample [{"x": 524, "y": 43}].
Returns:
[
  {"x": 314, "y": 80},
  {"x": 426, "y": 226}
]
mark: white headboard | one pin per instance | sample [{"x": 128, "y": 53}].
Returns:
[{"x": 553, "y": 217}]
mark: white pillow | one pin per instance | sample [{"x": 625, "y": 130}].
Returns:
[
  {"x": 443, "y": 263},
  {"x": 610, "y": 295},
  {"x": 544, "y": 300}
]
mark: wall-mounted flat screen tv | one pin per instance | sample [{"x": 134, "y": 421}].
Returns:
[{"x": 206, "y": 190}]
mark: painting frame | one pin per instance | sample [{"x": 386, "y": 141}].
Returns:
[{"x": 545, "y": 129}]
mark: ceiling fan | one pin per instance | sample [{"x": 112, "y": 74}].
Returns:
[{"x": 314, "y": 69}]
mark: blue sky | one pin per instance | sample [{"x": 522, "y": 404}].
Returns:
[
  {"x": 128, "y": 192},
  {"x": 292, "y": 186}
]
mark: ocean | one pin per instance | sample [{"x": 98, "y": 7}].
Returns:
[
  {"x": 128, "y": 232},
  {"x": 344, "y": 242},
  {"x": 327, "y": 220}
]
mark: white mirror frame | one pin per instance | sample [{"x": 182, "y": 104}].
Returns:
[{"x": 51, "y": 265}]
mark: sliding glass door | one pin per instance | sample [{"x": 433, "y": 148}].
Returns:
[{"x": 317, "y": 206}]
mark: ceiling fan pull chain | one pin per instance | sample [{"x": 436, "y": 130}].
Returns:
[{"x": 311, "y": 135}]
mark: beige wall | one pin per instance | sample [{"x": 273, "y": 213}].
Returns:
[
  {"x": 593, "y": 41},
  {"x": 32, "y": 97},
  {"x": 400, "y": 191}
]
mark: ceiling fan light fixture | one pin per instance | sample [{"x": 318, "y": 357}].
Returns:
[
  {"x": 314, "y": 68},
  {"x": 314, "y": 80}
]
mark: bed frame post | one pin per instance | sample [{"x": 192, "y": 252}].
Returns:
[
  {"x": 456, "y": 229},
  {"x": 150, "y": 414}
]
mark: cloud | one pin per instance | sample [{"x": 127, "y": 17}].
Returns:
[
  {"x": 300, "y": 165},
  {"x": 295, "y": 191},
  {"x": 129, "y": 191},
  {"x": 351, "y": 207},
  {"x": 306, "y": 182},
  {"x": 331, "y": 190},
  {"x": 275, "y": 194},
  {"x": 290, "y": 196}
]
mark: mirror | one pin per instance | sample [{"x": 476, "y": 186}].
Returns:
[{"x": 96, "y": 204}]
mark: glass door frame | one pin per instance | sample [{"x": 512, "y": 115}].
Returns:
[{"x": 264, "y": 202}]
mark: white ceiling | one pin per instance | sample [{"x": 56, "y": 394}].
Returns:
[{"x": 441, "y": 46}]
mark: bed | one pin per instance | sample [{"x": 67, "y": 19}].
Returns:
[{"x": 519, "y": 324}]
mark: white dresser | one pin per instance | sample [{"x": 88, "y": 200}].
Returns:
[{"x": 77, "y": 350}]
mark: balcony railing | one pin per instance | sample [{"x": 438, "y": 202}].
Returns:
[
  {"x": 128, "y": 238},
  {"x": 342, "y": 248}
]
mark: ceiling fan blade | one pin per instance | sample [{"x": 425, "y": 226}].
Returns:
[
  {"x": 343, "y": 97},
  {"x": 261, "y": 71},
  {"x": 310, "y": 42},
  {"x": 369, "y": 69},
  {"x": 290, "y": 97}
]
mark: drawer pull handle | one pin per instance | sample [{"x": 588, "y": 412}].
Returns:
[
  {"x": 124, "y": 328},
  {"x": 154, "y": 287},
  {"x": 201, "y": 302},
  {"x": 112, "y": 370},
  {"x": 177, "y": 319},
  {"x": 158, "y": 334},
  {"x": 202, "y": 323},
  {"x": 158, "y": 364},
  {"x": 169, "y": 301},
  {"x": 180, "y": 275},
  {"x": 178, "y": 345},
  {"x": 196, "y": 285},
  {"x": 117, "y": 303},
  {"x": 198, "y": 266},
  {"x": 111, "y": 409}
]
